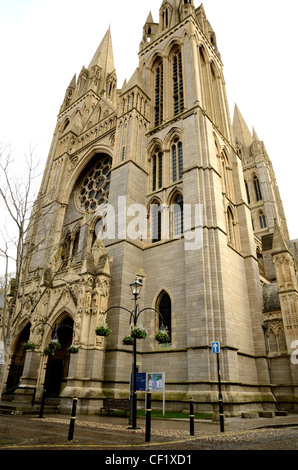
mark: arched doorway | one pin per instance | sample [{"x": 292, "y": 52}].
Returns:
[
  {"x": 58, "y": 364},
  {"x": 17, "y": 360}
]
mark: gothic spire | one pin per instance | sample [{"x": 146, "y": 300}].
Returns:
[
  {"x": 241, "y": 131},
  {"x": 103, "y": 56}
]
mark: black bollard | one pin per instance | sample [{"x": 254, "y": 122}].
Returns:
[
  {"x": 191, "y": 418},
  {"x": 43, "y": 400},
  {"x": 72, "y": 419},
  {"x": 148, "y": 417}
]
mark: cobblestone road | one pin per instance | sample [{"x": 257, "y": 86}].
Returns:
[{"x": 51, "y": 433}]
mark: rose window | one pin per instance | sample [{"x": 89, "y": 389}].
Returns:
[{"x": 93, "y": 190}]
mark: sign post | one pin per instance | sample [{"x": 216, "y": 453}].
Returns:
[
  {"x": 156, "y": 383},
  {"x": 215, "y": 346}
]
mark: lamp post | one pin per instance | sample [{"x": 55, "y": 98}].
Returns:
[{"x": 136, "y": 287}]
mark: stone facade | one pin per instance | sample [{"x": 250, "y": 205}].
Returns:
[{"x": 122, "y": 165}]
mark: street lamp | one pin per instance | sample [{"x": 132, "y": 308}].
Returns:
[{"x": 136, "y": 287}]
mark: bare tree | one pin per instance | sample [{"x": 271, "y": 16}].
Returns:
[
  {"x": 24, "y": 206},
  {"x": 20, "y": 203}
]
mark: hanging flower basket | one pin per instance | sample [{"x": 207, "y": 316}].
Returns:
[
  {"x": 73, "y": 350},
  {"x": 52, "y": 347},
  {"x": 48, "y": 351},
  {"x": 138, "y": 332},
  {"x": 29, "y": 346},
  {"x": 103, "y": 330},
  {"x": 128, "y": 341},
  {"x": 163, "y": 337}
]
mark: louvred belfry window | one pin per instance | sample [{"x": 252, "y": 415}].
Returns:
[
  {"x": 158, "y": 95},
  {"x": 178, "y": 83},
  {"x": 177, "y": 160}
]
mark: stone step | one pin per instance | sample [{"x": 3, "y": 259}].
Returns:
[{"x": 13, "y": 408}]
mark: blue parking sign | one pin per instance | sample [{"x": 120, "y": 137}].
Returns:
[{"x": 215, "y": 346}]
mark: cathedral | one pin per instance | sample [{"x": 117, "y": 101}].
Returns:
[{"x": 155, "y": 182}]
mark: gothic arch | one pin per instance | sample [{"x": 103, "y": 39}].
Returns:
[
  {"x": 157, "y": 56},
  {"x": 163, "y": 303},
  {"x": 175, "y": 43},
  {"x": 81, "y": 167},
  {"x": 64, "y": 125},
  {"x": 173, "y": 194},
  {"x": 17, "y": 356},
  {"x": 58, "y": 372},
  {"x": 170, "y": 136},
  {"x": 155, "y": 219},
  {"x": 204, "y": 65},
  {"x": 176, "y": 213},
  {"x": 155, "y": 142}
]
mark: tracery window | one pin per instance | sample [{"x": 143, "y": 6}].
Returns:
[
  {"x": 165, "y": 308},
  {"x": 158, "y": 109},
  {"x": 257, "y": 188},
  {"x": 93, "y": 189},
  {"x": 178, "y": 83},
  {"x": 178, "y": 216},
  {"x": 155, "y": 220},
  {"x": 177, "y": 160},
  {"x": 157, "y": 170},
  {"x": 262, "y": 220},
  {"x": 231, "y": 227}
]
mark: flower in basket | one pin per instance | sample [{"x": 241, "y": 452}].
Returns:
[
  {"x": 48, "y": 351},
  {"x": 73, "y": 349},
  {"x": 128, "y": 340},
  {"x": 138, "y": 332},
  {"x": 103, "y": 330},
  {"x": 54, "y": 344},
  {"x": 29, "y": 346},
  {"x": 52, "y": 347},
  {"x": 163, "y": 336}
]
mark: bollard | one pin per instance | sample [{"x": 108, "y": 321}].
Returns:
[
  {"x": 43, "y": 400},
  {"x": 191, "y": 418},
  {"x": 72, "y": 419},
  {"x": 148, "y": 417}
]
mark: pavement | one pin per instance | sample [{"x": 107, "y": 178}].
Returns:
[{"x": 112, "y": 437}]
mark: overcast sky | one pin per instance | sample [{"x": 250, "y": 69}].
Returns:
[{"x": 45, "y": 42}]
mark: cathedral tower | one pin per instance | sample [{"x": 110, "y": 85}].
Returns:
[{"x": 152, "y": 181}]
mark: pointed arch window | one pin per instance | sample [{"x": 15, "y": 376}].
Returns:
[
  {"x": 257, "y": 189},
  {"x": 177, "y": 160},
  {"x": 262, "y": 220},
  {"x": 76, "y": 239},
  {"x": 164, "y": 306},
  {"x": 158, "y": 108},
  {"x": 65, "y": 249},
  {"x": 155, "y": 220},
  {"x": 225, "y": 174},
  {"x": 178, "y": 216},
  {"x": 178, "y": 83},
  {"x": 157, "y": 170},
  {"x": 231, "y": 227},
  {"x": 247, "y": 192},
  {"x": 165, "y": 18}
]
